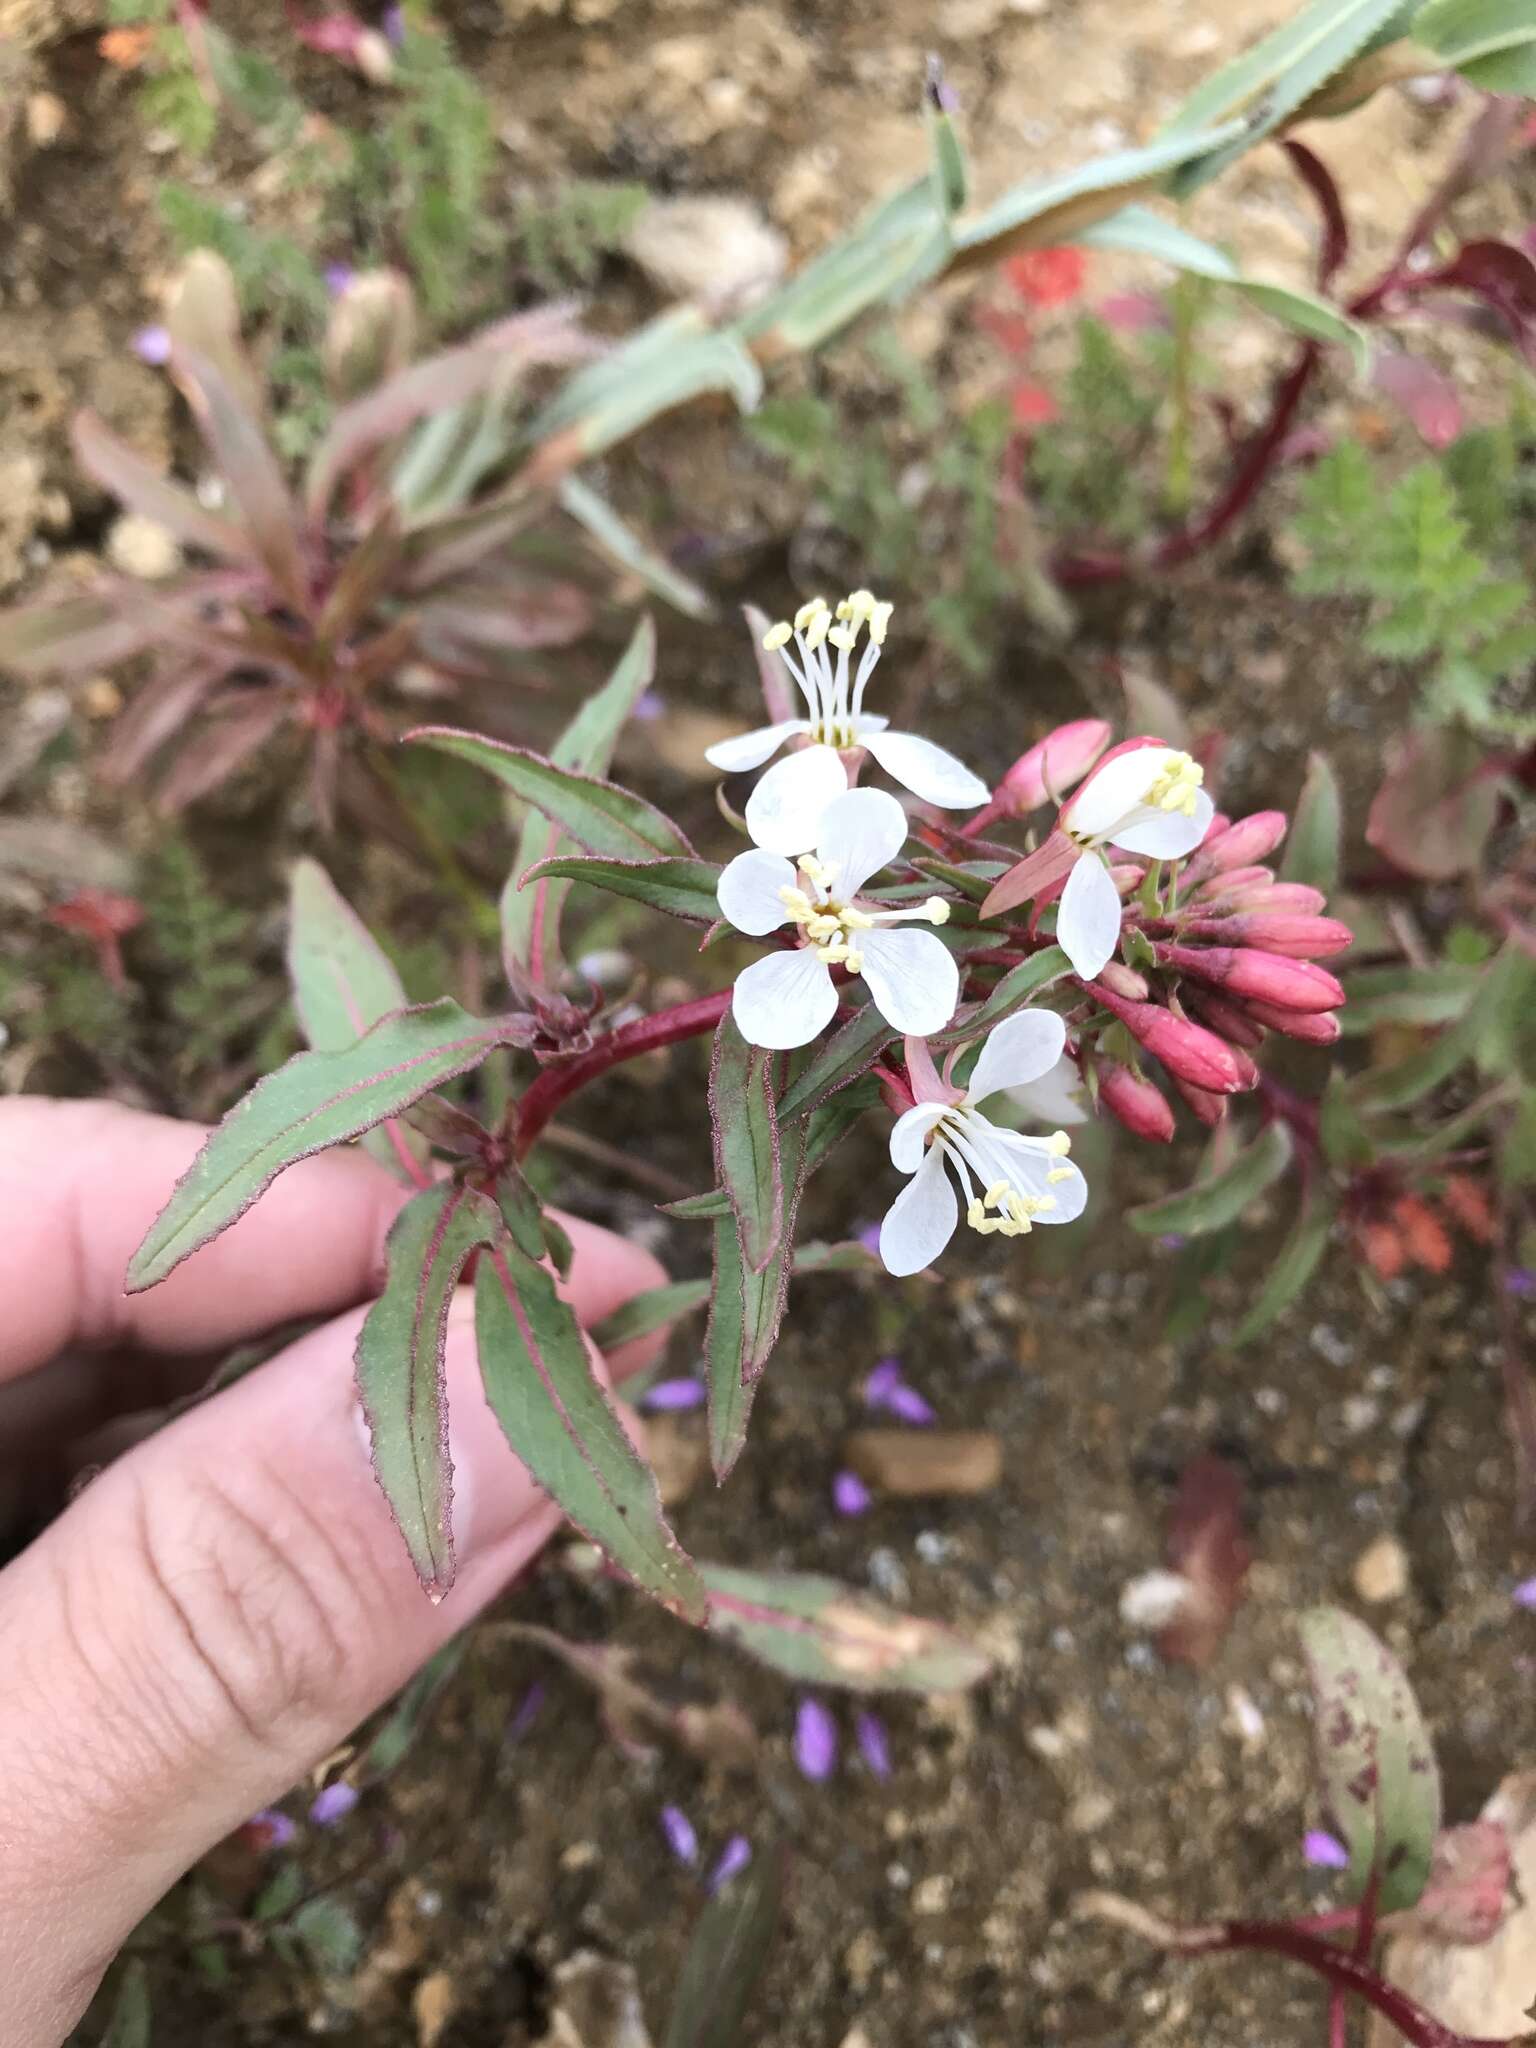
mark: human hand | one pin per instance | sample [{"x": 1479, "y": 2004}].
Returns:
[{"x": 224, "y": 1602}]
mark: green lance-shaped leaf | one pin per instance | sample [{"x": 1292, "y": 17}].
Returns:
[
  {"x": 1490, "y": 42},
  {"x": 682, "y": 888},
  {"x": 747, "y": 1310},
  {"x": 1406, "y": 995},
  {"x": 1295, "y": 1263},
  {"x": 1504, "y": 991},
  {"x": 614, "y": 538},
  {"x": 1314, "y": 844},
  {"x": 316, "y": 1100},
  {"x": 413, "y": 1704},
  {"x": 600, "y": 816},
  {"x": 1270, "y": 82},
  {"x": 851, "y": 1051},
  {"x": 944, "y": 148},
  {"x": 400, "y": 1367},
  {"x": 1141, "y": 232},
  {"x": 1059, "y": 209},
  {"x": 727, "y": 1956},
  {"x": 530, "y": 922},
  {"x": 1375, "y": 1761},
  {"x": 819, "y": 1632},
  {"x": 1212, "y": 1204},
  {"x": 746, "y": 1141},
  {"x": 1019, "y": 986},
  {"x": 659, "y": 1307},
  {"x": 130, "y": 2024},
  {"x": 539, "y": 1381},
  {"x": 343, "y": 980}
]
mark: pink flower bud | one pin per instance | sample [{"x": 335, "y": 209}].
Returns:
[
  {"x": 1208, "y": 1107},
  {"x": 1265, "y": 897},
  {"x": 1135, "y": 1103},
  {"x": 1053, "y": 765},
  {"x": 1127, "y": 877},
  {"x": 1185, "y": 1049},
  {"x": 1238, "y": 881},
  {"x": 1298, "y": 938},
  {"x": 1266, "y": 977},
  {"x": 1312, "y": 1027},
  {"x": 1125, "y": 981},
  {"x": 1249, "y": 840},
  {"x": 1227, "y": 1020}
]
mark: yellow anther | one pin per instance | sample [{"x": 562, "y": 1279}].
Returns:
[
  {"x": 777, "y": 636},
  {"x": 936, "y": 910},
  {"x": 817, "y": 629},
  {"x": 815, "y": 870},
  {"x": 856, "y": 920},
  {"x": 860, "y": 603},
  {"x": 1175, "y": 788},
  {"x": 1060, "y": 1173},
  {"x": 808, "y": 611},
  {"x": 854, "y": 961},
  {"x": 844, "y": 638},
  {"x": 879, "y": 621},
  {"x": 1058, "y": 1144}
]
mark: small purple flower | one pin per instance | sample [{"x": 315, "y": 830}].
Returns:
[
  {"x": 885, "y": 1388},
  {"x": 1524, "y": 1594},
  {"x": 1520, "y": 1281},
  {"x": 528, "y": 1710},
  {"x": 815, "y": 1741},
  {"x": 649, "y": 706},
  {"x": 873, "y": 1745},
  {"x": 868, "y": 1235},
  {"x": 394, "y": 26},
  {"x": 1323, "y": 1850},
  {"x": 669, "y": 1396},
  {"x": 271, "y": 1828},
  {"x": 681, "y": 1839},
  {"x": 337, "y": 278},
  {"x": 333, "y": 1804},
  {"x": 850, "y": 1496},
  {"x": 152, "y": 345},
  {"x": 1173, "y": 1241},
  {"x": 734, "y": 1858}
]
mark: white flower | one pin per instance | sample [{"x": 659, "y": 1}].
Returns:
[
  {"x": 1010, "y": 1182},
  {"x": 1060, "y": 1096},
  {"x": 1147, "y": 799},
  {"x": 786, "y": 998},
  {"x": 783, "y": 810}
]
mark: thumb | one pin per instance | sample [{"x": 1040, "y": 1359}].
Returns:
[{"x": 203, "y": 1624}]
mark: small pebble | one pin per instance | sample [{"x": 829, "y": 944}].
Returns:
[
  {"x": 1151, "y": 1602},
  {"x": 1381, "y": 1571}
]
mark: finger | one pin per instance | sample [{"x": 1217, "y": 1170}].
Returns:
[
  {"x": 80, "y": 1183},
  {"x": 207, "y": 1620}
]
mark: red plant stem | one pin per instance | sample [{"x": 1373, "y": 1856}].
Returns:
[
  {"x": 646, "y": 1034},
  {"x": 412, "y": 1167}
]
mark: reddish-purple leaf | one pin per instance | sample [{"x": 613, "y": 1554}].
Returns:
[
  {"x": 1208, "y": 1547},
  {"x": 250, "y": 469},
  {"x": 1319, "y": 181},
  {"x": 1426, "y": 395},
  {"x": 110, "y": 462},
  {"x": 162, "y": 706},
  {"x": 226, "y": 741},
  {"x": 1437, "y": 805},
  {"x": 1499, "y": 274}
]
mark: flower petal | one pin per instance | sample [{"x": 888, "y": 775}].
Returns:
[
  {"x": 748, "y": 891},
  {"x": 784, "y": 1000},
  {"x": 868, "y": 722},
  {"x": 928, "y": 771},
  {"x": 860, "y": 831},
  {"x": 1167, "y": 835},
  {"x": 1115, "y": 789},
  {"x": 785, "y": 810},
  {"x": 752, "y": 749},
  {"x": 1088, "y": 918},
  {"x": 912, "y": 978},
  {"x": 1021, "y": 1049},
  {"x": 1058, "y": 1097},
  {"x": 909, "y": 1135},
  {"x": 921, "y": 1220}
]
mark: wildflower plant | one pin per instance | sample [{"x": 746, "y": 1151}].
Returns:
[{"x": 911, "y": 968}]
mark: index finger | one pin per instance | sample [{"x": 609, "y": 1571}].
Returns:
[{"x": 81, "y": 1182}]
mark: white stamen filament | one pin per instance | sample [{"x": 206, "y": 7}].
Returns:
[
  {"x": 831, "y": 927},
  {"x": 834, "y": 700},
  {"x": 965, "y": 1139}
]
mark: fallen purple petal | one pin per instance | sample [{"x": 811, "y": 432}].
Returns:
[
  {"x": 1173, "y": 1241},
  {"x": 886, "y": 1389},
  {"x": 1323, "y": 1850},
  {"x": 908, "y": 1405},
  {"x": 734, "y": 1858},
  {"x": 669, "y": 1396},
  {"x": 649, "y": 706},
  {"x": 394, "y": 26},
  {"x": 337, "y": 278},
  {"x": 815, "y": 1741},
  {"x": 868, "y": 1235},
  {"x": 874, "y": 1745},
  {"x": 850, "y": 1496},
  {"x": 681, "y": 1839},
  {"x": 882, "y": 1382},
  {"x": 333, "y": 1804},
  {"x": 1520, "y": 1281},
  {"x": 1524, "y": 1594},
  {"x": 528, "y": 1710},
  {"x": 270, "y": 1829},
  {"x": 153, "y": 345}
]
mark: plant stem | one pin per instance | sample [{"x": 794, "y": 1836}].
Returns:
[
  {"x": 647, "y": 1034},
  {"x": 1179, "y": 483}
]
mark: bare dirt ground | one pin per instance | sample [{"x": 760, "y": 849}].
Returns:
[{"x": 933, "y": 1911}]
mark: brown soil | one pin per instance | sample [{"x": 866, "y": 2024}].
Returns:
[{"x": 935, "y": 1911}]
